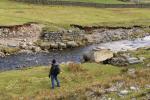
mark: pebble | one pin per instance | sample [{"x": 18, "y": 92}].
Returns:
[
  {"x": 147, "y": 86},
  {"x": 124, "y": 92},
  {"x": 134, "y": 88}
]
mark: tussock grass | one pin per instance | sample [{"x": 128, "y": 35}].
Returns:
[{"x": 74, "y": 67}]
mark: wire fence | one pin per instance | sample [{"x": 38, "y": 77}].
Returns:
[{"x": 85, "y": 4}]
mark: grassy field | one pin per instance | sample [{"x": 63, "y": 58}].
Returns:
[
  {"x": 62, "y": 16},
  {"x": 97, "y": 1},
  {"x": 34, "y": 82},
  {"x": 145, "y": 1}
]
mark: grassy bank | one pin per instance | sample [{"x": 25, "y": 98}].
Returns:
[
  {"x": 34, "y": 82},
  {"x": 57, "y": 17}
]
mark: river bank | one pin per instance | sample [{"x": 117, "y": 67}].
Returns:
[{"x": 33, "y": 37}]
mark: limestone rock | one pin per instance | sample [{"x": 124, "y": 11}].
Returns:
[
  {"x": 101, "y": 55},
  {"x": 72, "y": 44},
  {"x": 62, "y": 45},
  {"x": 23, "y": 45},
  {"x": 98, "y": 55},
  {"x": 133, "y": 60},
  {"x": 36, "y": 49},
  {"x": 124, "y": 92},
  {"x": 134, "y": 88},
  {"x": 123, "y": 59},
  {"x": 2, "y": 54},
  {"x": 54, "y": 45},
  {"x": 45, "y": 46},
  {"x": 25, "y": 51}
]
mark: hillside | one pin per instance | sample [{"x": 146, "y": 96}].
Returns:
[{"x": 63, "y": 16}]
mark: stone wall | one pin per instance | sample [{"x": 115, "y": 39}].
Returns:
[
  {"x": 63, "y": 39},
  {"x": 85, "y": 4}
]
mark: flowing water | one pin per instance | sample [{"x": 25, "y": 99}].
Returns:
[{"x": 37, "y": 59}]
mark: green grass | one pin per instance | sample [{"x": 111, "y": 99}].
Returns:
[
  {"x": 57, "y": 17},
  {"x": 97, "y": 1},
  {"x": 32, "y": 82}
]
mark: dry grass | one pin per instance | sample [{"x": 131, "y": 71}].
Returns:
[{"x": 75, "y": 67}]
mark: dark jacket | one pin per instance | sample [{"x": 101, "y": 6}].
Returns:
[{"x": 55, "y": 70}]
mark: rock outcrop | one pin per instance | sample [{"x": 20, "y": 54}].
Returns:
[{"x": 123, "y": 59}]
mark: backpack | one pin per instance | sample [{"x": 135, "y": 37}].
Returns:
[{"x": 56, "y": 69}]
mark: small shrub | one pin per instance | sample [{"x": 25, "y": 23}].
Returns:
[{"x": 124, "y": 70}]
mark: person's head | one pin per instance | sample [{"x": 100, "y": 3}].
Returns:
[{"x": 53, "y": 61}]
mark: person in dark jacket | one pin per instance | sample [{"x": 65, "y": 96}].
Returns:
[{"x": 54, "y": 71}]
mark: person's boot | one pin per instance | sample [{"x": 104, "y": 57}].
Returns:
[{"x": 52, "y": 87}]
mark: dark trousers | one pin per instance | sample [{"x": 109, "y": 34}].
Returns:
[{"x": 53, "y": 79}]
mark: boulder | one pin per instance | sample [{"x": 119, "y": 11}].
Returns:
[
  {"x": 25, "y": 51},
  {"x": 148, "y": 65},
  {"x": 62, "y": 45},
  {"x": 124, "y": 92},
  {"x": 98, "y": 55},
  {"x": 72, "y": 44},
  {"x": 29, "y": 43},
  {"x": 112, "y": 89},
  {"x": 133, "y": 60},
  {"x": 124, "y": 59},
  {"x": 101, "y": 55},
  {"x": 23, "y": 45},
  {"x": 142, "y": 59},
  {"x": 2, "y": 54},
  {"x": 134, "y": 88},
  {"x": 118, "y": 61},
  {"x": 54, "y": 45},
  {"x": 147, "y": 86},
  {"x": 45, "y": 46},
  {"x": 86, "y": 57},
  {"x": 36, "y": 49}
]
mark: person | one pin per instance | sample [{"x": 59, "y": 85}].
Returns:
[{"x": 53, "y": 74}]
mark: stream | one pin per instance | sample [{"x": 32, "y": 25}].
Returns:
[{"x": 37, "y": 59}]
